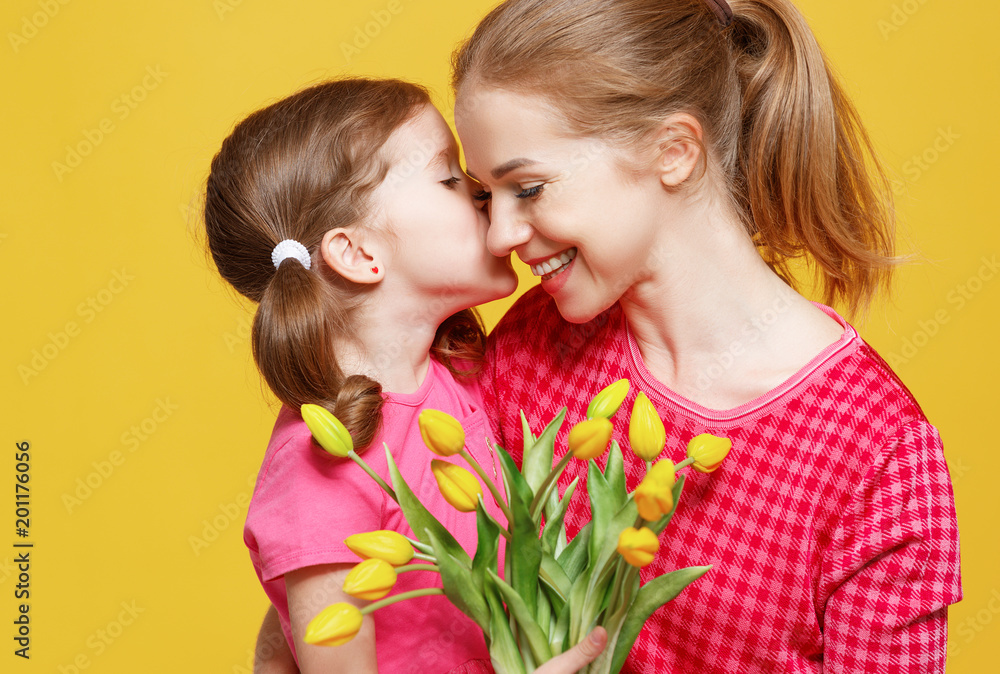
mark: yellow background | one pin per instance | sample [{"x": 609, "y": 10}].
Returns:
[{"x": 168, "y": 352}]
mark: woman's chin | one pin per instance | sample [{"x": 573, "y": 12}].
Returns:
[{"x": 578, "y": 310}]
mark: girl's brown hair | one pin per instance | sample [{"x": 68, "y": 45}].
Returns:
[
  {"x": 779, "y": 130},
  {"x": 295, "y": 170}
]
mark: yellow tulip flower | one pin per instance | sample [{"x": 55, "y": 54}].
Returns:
[
  {"x": 328, "y": 430},
  {"x": 645, "y": 429},
  {"x": 334, "y": 626},
  {"x": 638, "y": 546},
  {"x": 654, "y": 497},
  {"x": 708, "y": 451},
  {"x": 607, "y": 402},
  {"x": 371, "y": 579},
  {"x": 390, "y": 546},
  {"x": 588, "y": 439},
  {"x": 442, "y": 433},
  {"x": 459, "y": 487}
]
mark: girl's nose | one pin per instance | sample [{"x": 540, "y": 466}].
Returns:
[{"x": 508, "y": 230}]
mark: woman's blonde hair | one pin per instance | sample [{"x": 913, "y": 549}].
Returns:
[
  {"x": 800, "y": 169},
  {"x": 294, "y": 170}
]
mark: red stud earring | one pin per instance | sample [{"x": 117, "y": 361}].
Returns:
[{"x": 374, "y": 270}]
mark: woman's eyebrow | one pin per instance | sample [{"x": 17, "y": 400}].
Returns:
[{"x": 505, "y": 168}]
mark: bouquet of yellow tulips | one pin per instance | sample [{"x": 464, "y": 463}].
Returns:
[{"x": 554, "y": 590}]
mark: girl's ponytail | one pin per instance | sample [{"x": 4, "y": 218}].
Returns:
[
  {"x": 807, "y": 178},
  {"x": 293, "y": 344}
]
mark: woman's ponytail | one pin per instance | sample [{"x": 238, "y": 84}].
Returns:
[{"x": 807, "y": 178}]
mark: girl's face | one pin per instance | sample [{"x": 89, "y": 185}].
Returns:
[
  {"x": 437, "y": 233},
  {"x": 563, "y": 203}
]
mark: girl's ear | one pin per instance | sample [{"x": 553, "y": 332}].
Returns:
[
  {"x": 344, "y": 252},
  {"x": 679, "y": 148}
]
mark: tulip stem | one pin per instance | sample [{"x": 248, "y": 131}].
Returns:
[
  {"x": 418, "y": 567},
  {"x": 375, "y": 476},
  {"x": 683, "y": 464},
  {"x": 412, "y": 594},
  {"x": 426, "y": 558},
  {"x": 546, "y": 487},
  {"x": 489, "y": 483}
]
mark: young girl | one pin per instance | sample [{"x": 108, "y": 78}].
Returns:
[
  {"x": 661, "y": 164},
  {"x": 343, "y": 211}
]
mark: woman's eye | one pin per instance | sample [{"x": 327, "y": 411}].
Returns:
[
  {"x": 482, "y": 195},
  {"x": 451, "y": 182},
  {"x": 530, "y": 192}
]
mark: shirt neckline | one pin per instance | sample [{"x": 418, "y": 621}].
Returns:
[
  {"x": 827, "y": 355},
  {"x": 418, "y": 397}
]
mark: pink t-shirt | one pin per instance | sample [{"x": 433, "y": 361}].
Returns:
[
  {"x": 306, "y": 502},
  {"x": 831, "y": 524}
]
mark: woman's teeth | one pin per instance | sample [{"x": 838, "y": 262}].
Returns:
[{"x": 553, "y": 265}]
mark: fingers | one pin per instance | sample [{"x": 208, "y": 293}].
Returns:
[{"x": 593, "y": 645}]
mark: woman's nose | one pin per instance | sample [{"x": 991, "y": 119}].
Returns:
[{"x": 508, "y": 230}]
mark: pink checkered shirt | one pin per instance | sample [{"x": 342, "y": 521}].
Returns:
[{"x": 831, "y": 525}]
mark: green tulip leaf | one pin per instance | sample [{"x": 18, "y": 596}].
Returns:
[
  {"x": 419, "y": 518},
  {"x": 574, "y": 558},
  {"x": 488, "y": 533},
  {"x": 552, "y": 575},
  {"x": 554, "y": 532},
  {"x": 459, "y": 585},
  {"x": 525, "y": 619},
  {"x": 603, "y": 506},
  {"x": 537, "y": 460},
  {"x": 503, "y": 649},
  {"x": 614, "y": 473},
  {"x": 650, "y": 597}
]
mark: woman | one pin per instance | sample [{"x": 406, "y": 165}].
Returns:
[{"x": 663, "y": 165}]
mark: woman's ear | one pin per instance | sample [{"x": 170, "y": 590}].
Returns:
[
  {"x": 680, "y": 147},
  {"x": 347, "y": 255}
]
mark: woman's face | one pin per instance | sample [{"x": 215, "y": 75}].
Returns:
[{"x": 563, "y": 203}]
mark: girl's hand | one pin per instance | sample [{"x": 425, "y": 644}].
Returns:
[{"x": 579, "y": 656}]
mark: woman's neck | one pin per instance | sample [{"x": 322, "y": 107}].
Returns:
[{"x": 714, "y": 323}]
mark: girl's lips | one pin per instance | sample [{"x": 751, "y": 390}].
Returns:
[{"x": 553, "y": 283}]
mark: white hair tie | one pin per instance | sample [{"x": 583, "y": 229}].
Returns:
[{"x": 290, "y": 248}]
